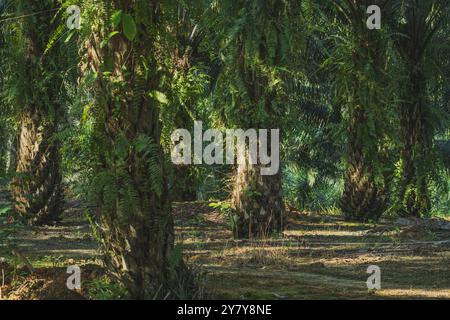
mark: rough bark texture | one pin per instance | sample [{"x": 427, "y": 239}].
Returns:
[
  {"x": 362, "y": 199},
  {"x": 4, "y": 140},
  {"x": 365, "y": 184},
  {"x": 134, "y": 206},
  {"x": 37, "y": 187},
  {"x": 256, "y": 199},
  {"x": 257, "y": 202},
  {"x": 418, "y": 163},
  {"x": 414, "y": 193}
]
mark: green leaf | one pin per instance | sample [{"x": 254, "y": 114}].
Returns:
[
  {"x": 116, "y": 18},
  {"x": 105, "y": 41},
  {"x": 69, "y": 36},
  {"x": 5, "y": 210},
  {"x": 129, "y": 27},
  {"x": 86, "y": 113},
  {"x": 90, "y": 78},
  {"x": 159, "y": 96}
]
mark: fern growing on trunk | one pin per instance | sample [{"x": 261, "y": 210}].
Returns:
[
  {"x": 258, "y": 39},
  {"x": 35, "y": 86},
  {"x": 125, "y": 49}
]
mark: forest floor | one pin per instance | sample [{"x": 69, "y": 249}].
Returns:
[{"x": 317, "y": 257}]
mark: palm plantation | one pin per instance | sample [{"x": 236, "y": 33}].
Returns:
[{"x": 86, "y": 122}]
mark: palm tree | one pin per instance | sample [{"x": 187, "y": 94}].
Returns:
[
  {"x": 257, "y": 40},
  {"x": 36, "y": 82},
  {"x": 125, "y": 52},
  {"x": 421, "y": 24},
  {"x": 358, "y": 62}
]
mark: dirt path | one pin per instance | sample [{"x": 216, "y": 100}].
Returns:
[
  {"x": 71, "y": 238},
  {"x": 318, "y": 257}
]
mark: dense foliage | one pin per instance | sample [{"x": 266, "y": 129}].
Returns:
[{"x": 88, "y": 114}]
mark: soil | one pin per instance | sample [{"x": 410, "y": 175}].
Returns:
[{"x": 317, "y": 257}]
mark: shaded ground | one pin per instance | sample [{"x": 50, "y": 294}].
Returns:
[
  {"x": 71, "y": 238},
  {"x": 318, "y": 257}
]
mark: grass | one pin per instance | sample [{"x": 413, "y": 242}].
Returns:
[
  {"x": 104, "y": 288},
  {"x": 317, "y": 257}
]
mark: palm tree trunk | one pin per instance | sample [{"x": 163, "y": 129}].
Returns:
[
  {"x": 257, "y": 203},
  {"x": 4, "y": 139},
  {"x": 137, "y": 233},
  {"x": 363, "y": 199},
  {"x": 37, "y": 187},
  {"x": 256, "y": 200},
  {"x": 134, "y": 207},
  {"x": 365, "y": 184},
  {"x": 417, "y": 129},
  {"x": 414, "y": 193}
]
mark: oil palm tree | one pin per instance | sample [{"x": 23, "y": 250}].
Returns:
[
  {"x": 422, "y": 25},
  {"x": 124, "y": 70},
  {"x": 358, "y": 63},
  {"x": 35, "y": 85},
  {"x": 257, "y": 39}
]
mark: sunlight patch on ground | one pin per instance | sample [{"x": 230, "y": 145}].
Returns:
[{"x": 414, "y": 293}]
